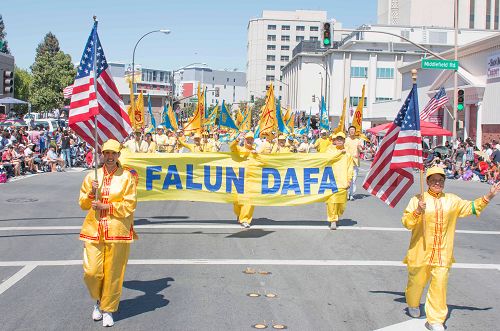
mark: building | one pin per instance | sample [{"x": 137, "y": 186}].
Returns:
[
  {"x": 472, "y": 14},
  {"x": 365, "y": 57},
  {"x": 271, "y": 39},
  {"x": 229, "y": 86},
  {"x": 6, "y": 78}
]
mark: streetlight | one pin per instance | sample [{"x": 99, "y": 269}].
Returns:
[{"x": 173, "y": 81}]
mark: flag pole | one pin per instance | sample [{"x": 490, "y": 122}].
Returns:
[
  {"x": 414, "y": 78},
  {"x": 96, "y": 143}
]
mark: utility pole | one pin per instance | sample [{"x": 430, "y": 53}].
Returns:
[{"x": 455, "y": 76}]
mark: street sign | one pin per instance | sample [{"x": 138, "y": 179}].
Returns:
[
  {"x": 193, "y": 100},
  {"x": 439, "y": 64}
]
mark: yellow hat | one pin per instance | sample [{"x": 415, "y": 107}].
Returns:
[
  {"x": 281, "y": 137},
  {"x": 196, "y": 136},
  {"x": 338, "y": 134},
  {"x": 434, "y": 171},
  {"x": 249, "y": 134},
  {"x": 112, "y": 145}
]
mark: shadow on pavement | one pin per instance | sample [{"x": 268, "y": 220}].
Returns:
[
  {"x": 149, "y": 301},
  {"x": 346, "y": 222},
  {"x": 41, "y": 234},
  {"x": 252, "y": 233},
  {"x": 360, "y": 196}
]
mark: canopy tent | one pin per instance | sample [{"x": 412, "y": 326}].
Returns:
[
  {"x": 426, "y": 129},
  {"x": 12, "y": 101}
]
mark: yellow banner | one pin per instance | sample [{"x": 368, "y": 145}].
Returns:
[{"x": 262, "y": 180}]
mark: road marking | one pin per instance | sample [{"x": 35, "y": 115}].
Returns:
[
  {"x": 28, "y": 267},
  {"x": 415, "y": 324},
  {"x": 310, "y": 263},
  {"x": 236, "y": 226}
]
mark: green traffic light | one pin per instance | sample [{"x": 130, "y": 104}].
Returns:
[
  {"x": 326, "y": 41},
  {"x": 460, "y": 107}
]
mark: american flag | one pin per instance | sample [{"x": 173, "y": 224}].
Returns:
[
  {"x": 437, "y": 101},
  {"x": 390, "y": 175},
  {"x": 112, "y": 120},
  {"x": 68, "y": 91}
]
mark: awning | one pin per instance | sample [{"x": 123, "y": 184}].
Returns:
[
  {"x": 12, "y": 101},
  {"x": 426, "y": 129}
]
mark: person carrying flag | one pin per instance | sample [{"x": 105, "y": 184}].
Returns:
[
  {"x": 107, "y": 231},
  {"x": 322, "y": 143},
  {"x": 335, "y": 205},
  {"x": 432, "y": 219},
  {"x": 244, "y": 212}
]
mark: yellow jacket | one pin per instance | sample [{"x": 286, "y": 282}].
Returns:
[
  {"x": 193, "y": 148},
  {"x": 117, "y": 224},
  {"x": 321, "y": 144},
  {"x": 342, "y": 181},
  {"x": 440, "y": 216},
  {"x": 351, "y": 146},
  {"x": 266, "y": 147}
]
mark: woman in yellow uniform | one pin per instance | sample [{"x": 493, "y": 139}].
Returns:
[
  {"x": 107, "y": 231},
  {"x": 244, "y": 212},
  {"x": 336, "y": 204},
  {"x": 432, "y": 220}
]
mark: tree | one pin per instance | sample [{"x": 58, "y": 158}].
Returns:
[
  {"x": 4, "y": 47},
  {"x": 22, "y": 82},
  {"x": 52, "y": 72}
]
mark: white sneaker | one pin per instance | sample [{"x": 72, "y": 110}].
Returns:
[
  {"x": 414, "y": 312},
  {"x": 333, "y": 225},
  {"x": 107, "y": 319},
  {"x": 245, "y": 225},
  {"x": 434, "y": 327},
  {"x": 96, "y": 313}
]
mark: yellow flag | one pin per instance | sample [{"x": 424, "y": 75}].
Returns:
[
  {"x": 195, "y": 123},
  {"x": 357, "y": 119},
  {"x": 341, "y": 126},
  {"x": 247, "y": 119},
  {"x": 268, "y": 122},
  {"x": 139, "y": 113},
  {"x": 130, "y": 107},
  {"x": 172, "y": 117},
  {"x": 287, "y": 114}
]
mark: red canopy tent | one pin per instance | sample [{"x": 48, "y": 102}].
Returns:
[{"x": 426, "y": 129}]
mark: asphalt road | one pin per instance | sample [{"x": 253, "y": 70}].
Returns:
[{"x": 186, "y": 270}]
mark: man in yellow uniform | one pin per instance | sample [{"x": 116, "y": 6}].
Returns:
[
  {"x": 432, "y": 220},
  {"x": 134, "y": 145},
  {"x": 244, "y": 212},
  {"x": 304, "y": 146},
  {"x": 215, "y": 144},
  {"x": 266, "y": 147},
  {"x": 161, "y": 139},
  {"x": 197, "y": 147},
  {"x": 148, "y": 145},
  {"x": 170, "y": 142},
  {"x": 322, "y": 143},
  {"x": 107, "y": 231},
  {"x": 335, "y": 205},
  {"x": 281, "y": 146},
  {"x": 353, "y": 146}
]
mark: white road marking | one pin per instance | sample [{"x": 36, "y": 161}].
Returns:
[
  {"x": 236, "y": 226},
  {"x": 311, "y": 263},
  {"x": 415, "y": 324},
  {"x": 28, "y": 267}
]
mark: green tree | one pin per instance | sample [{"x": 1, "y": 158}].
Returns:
[
  {"x": 52, "y": 72},
  {"x": 4, "y": 47},
  {"x": 22, "y": 82}
]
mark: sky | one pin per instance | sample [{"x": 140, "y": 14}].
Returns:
[{"x": 212, "y": 32}]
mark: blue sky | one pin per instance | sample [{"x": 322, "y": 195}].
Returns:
[{"x": 214, "y": 32}]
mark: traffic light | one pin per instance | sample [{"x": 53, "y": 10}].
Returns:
[
  {"x": 313, "y": 97},
  {"x": 8, "y": 81},
  {"x": 460, "y": 105},
  {"x": 217, "y": 92},
  {"x": 327, "y": 35},
  {"x": 252, "y": 98}
]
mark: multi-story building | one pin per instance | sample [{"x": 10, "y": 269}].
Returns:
[
  {"x": 271, "y": 39},
  {"x": 472, "y": 14},
  {"x": 229, "y": 86}
]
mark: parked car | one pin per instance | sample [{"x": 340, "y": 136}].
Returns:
[{"x": 49, "y": 124}]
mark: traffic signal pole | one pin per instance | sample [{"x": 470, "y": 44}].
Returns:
[{"x": 455, "y": 76}]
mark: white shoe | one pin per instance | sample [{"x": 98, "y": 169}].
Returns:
[
  {"x": 434, "y": 327},
  {"x": 96, "y": 313},
  {"x": 351, "y": 198},
  {"x": 333, "y": 225},
  {"x": 107, "y": 319},
  {"x": 414, "y": 312},
  {"x": 245, "y": 225}
]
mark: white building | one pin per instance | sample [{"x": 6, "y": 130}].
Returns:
[
  {"x": 363, "y": 58},
  {"x": 472, "y": 14},
  {"x": 271, "y": 39}
]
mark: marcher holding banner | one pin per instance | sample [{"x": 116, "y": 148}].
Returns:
[
  {"x": 244, "y": 212},
  {"x": 267, "y": 145},
  {"x": 336, "y": 204},
  {"x": 322, "y": 143},
  {"x": 107, "y": 231},
  {"x": 161, "y": 139},
  {"x": 197, "y": 147},
  {"x": 432, "y": 220},
  {"x": 353, "y": 146}
]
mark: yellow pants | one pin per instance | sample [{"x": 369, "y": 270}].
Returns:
[
  {"x": 334, "y": 210},
  {"x": 436, "y": 309},
  {"x": 104, "y": 269},
  {"x": 243, "y": 212}
]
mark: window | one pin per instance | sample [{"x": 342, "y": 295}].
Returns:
[
  {"x": 271, "y": 27},
  {"x": 271, "y": 37},
  {"x": 155, "y": 74},
  {"x": 285, "y": 48},
  {"x": 385, "y": 73},
  {"x": 300, "y": 28},
  {"x": 355, "y": 101},
  {"x": 314, "y": 28},
  {"x": 269, "y": 78},
  {"x": 359, "y": 72},
  {"x": 162, "y": 76},
  {"x": 227, "y": 79},
  {"x": 496, "y": 14},
  {"x": 271, "y": 58},
  {"x": 471, "y": 16},
  {"x": 281, "y": 68},
  {"x": 285, "y": 58},
  {"x": 488, "y": 14},
  {"x": 381, "y": 99},
  {"x": 313, "y": 38},
  {"x": 438, "y": 37},
  {"x": 234, "y": 80},
  {"x": 299, "y": 38},
  {"x": 270, "y": 67},
  {"x": 271, "y": 47},
  {"x": 285, "y": 27},
  {"x": 285, "y": 38}
]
